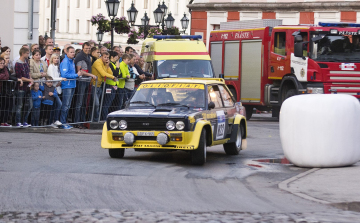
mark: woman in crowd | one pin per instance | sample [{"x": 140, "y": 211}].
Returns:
[
  {"x": 95, "y": 54},
  {"x": 6, "y": 90},
  {"x": 5, "y": 51},
  {"x": 38, "y": 68},
  {"x": 54, "y": 72}
]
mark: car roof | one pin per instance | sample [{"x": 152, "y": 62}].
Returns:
[{"x": 187, "y": 81}]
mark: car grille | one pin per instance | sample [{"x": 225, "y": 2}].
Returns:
[{"x": 149, "y": 124}]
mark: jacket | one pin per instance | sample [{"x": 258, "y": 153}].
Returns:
[
  {"x": 35, "y": 69},
  {"x": 99, "y": 69},
  {"x": 67, "y": 70},
  {"x": 22, "y": 69},
  {"x": 53, "y": 71},
  {"x": 48, "y": 100},
  {"x": 35, "y": 97}
]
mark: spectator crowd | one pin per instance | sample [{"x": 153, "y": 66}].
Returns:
[{"x": 40, "y": 87}]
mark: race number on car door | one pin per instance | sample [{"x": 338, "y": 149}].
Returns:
[{"x": 220, "y": 131}]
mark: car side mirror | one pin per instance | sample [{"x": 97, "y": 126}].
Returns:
[
  {"x": 298, "y": 38},
  {"x": 221, "y": 76},
  {"x": 298, "y": 49},
  {"x": 211, "y": 105}
]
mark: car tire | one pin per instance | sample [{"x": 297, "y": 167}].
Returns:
[
  {"x": 234, "y": 148},
  {"x": 290, "y": 93},
  {"x": 198, "y": 156},
  {"x": 116, "y": 153},
  {"x": 249, "y": 112}
]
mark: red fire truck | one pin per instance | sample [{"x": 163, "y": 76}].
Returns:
[{"x": 263, "y": 66}]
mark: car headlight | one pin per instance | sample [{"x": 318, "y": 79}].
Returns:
[
  {"x": 180, "y": 125},
  {"x": 123, "y": 124},
  {"x": 170, "y": 125},
  {"x": 315, "y": 90},
  {"x": 114, "y": 124}
]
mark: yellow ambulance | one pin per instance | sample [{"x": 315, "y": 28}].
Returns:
[{"x": 182, "y": 56}]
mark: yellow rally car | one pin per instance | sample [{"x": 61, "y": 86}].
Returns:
[{"x": 177, "y": 114}]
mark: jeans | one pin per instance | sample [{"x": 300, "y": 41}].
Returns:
[
  {"x": 96, "y": 95},
  {"x": 68, "y": 94},
  {"x": 120, "y": 96},
  {"x": 108, "y": 100},
  {"x": 21, "y": 96},
  {"x": 80, "y": 101},
  {"x": 35, "y": 116},
  {"x": 129, "y": 93}
]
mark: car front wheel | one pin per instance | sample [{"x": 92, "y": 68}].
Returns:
[
  {"x": 198, "y": 156},
  {"x": 234, "y": 148},
  {"x": 116, "y": 153}
]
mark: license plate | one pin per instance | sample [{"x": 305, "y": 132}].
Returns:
[{"x": 145, "y": 134}]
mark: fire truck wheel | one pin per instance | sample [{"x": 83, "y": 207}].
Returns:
[
  {"x": 116, "y": 153},
  {"x": 198, "y": 156},
  {"x": 290, "y": 93},
  {"x": 234, "y": 148},
  {"x": 249, "y": 112}
]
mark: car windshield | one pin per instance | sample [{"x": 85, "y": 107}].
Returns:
[
  {"x": 184, "y": 68},
  {"x": 336, "y": 48},
  {"x": 174, "y": 95}
]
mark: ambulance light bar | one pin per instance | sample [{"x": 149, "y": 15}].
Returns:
[
  {"x": 194, "y": 37},
  {"x": 339, "y": 24}
]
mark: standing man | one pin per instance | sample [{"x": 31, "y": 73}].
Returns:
[
  {"x": 64, "y": 52},
  {"x": 103, "y": 50},
  {"x": 120, "y": 52},
  {"x": 100, "y": 69},
  {"x": 22, "y": 71},
  {"x": 142, "y": 74},
  {"x": 18, "y": 57},
  {"x": 129, "y": 50},
  {"x": 49, "y": 52},
  {"x": 41, "y": 42},
  {"x": 83, "y": 65},
  {"x": 67, "y": 70},
  {"x": 48, "y": 41}
]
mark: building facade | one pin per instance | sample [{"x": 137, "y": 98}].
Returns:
[
  {"x": 206, "y": 15},
  {"x": 16, "y": 26},
  {"x": 73, "y": 17}
]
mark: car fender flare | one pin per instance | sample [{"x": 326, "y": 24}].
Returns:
[
  {"x": 241, "y": 120},
  {"x": 197, "y": 133},
  {"x": 105, "y": 138}
]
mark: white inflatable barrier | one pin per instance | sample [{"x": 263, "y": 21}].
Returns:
[{"x": 321, "y": 130}]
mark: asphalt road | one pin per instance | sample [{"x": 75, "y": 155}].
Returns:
[{"x": 61, "y": 171}]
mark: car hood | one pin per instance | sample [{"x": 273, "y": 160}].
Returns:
[{"x": 154, "y": 113}]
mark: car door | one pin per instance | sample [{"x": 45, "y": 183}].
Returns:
[
  {"x": 218, "y": 116},
  {"x": 229, "y": 107}
]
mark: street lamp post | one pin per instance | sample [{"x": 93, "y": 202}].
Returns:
[
  {"x": 112, "y": 7},
  {"x": 99, "y": 36},
  {"x": 184, "y": 23}
]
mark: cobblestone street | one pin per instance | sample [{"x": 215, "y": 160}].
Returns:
[{"x": 145, "y": 216}]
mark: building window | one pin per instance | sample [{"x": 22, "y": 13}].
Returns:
[
  {"x": 280, "y": 43},
  {"x": 177, "y": 7},
  {"x": 77, "y": 26},
  {"x": 99, "y": 4},
  {"x": 57, "y": 25},
  {"x": 88, "y": 27},
  {"x": 47, "y": 24},
  {"x": 88, "y": 3},
  {"x": 146, "y": 2},
  {"x": 78, "y": 4}
]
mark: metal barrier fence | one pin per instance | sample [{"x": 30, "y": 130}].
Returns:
[
  {"x": 112, "y": 99},
  {"x": 22, "y": 106}
]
